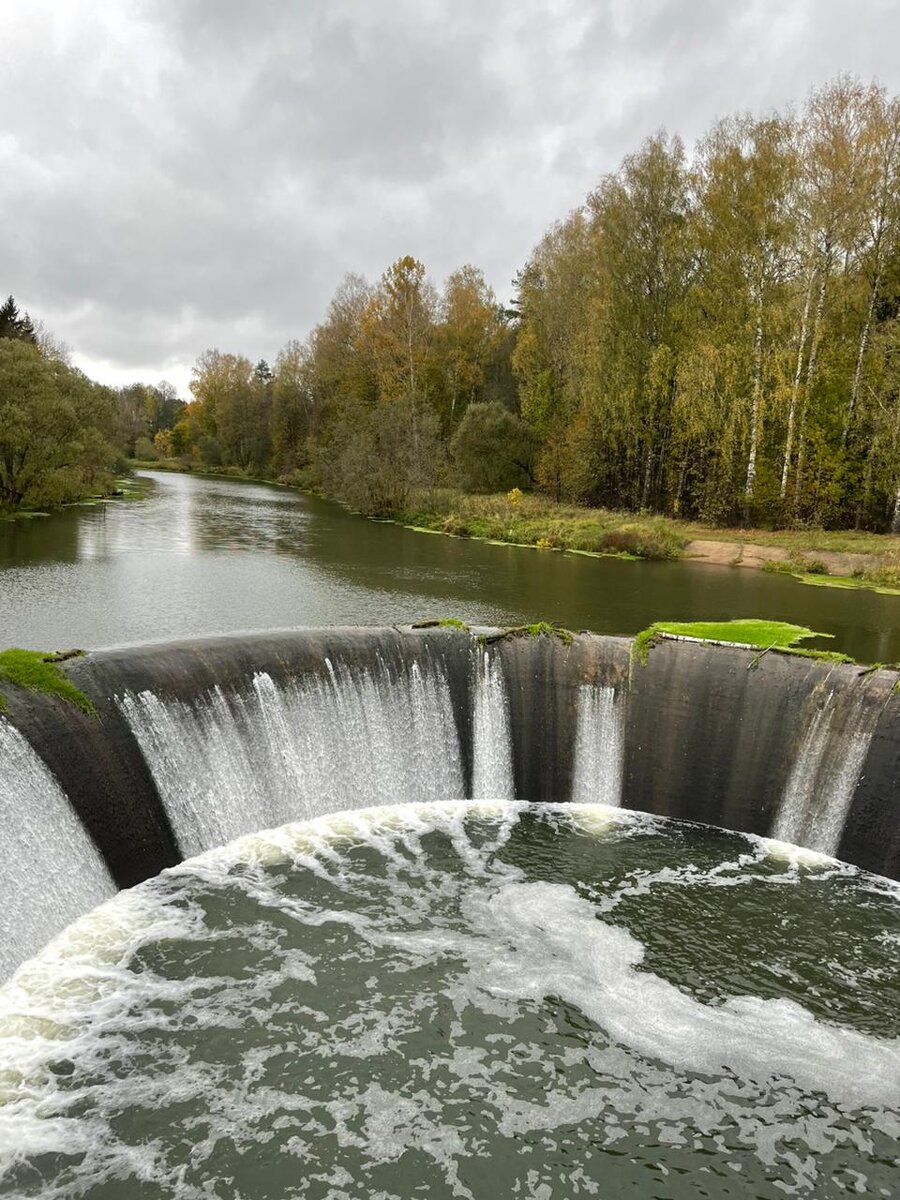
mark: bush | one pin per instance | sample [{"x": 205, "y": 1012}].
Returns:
[
  {"x": 383, "y": 454},
  {"x": 650, "y": 540},
  {"x": 145, "y": 451},
  {"x": 493, "y": 449},
  {"x": 209, "y": 451}
]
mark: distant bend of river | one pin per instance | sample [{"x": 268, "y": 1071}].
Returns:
[{"x": 205, "y": 556}]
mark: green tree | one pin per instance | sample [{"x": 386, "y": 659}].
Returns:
[
  {"x": 380, "y": 455},
  {"x": 466, "y": 339},
  {"x": 55, "y": 430},
  {"x": 293, "y": 407},
  {"x": 493, "y": 449},
  {"x": 14, "y": 324}
]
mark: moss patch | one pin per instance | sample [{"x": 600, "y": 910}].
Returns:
[
  {"x": 538, "y": 629},
  {"x": 442, "y": 623},
  {"x": 760, "y": 635},
  {"x": 845, "y": 581},
  {"x": 815, "y": 575},
  {"x": 39, "y": 672}
]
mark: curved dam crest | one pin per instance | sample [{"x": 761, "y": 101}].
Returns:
[{"x": 200, "y": 742}]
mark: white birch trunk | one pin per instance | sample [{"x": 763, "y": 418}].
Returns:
[
  {"x": 895, "y": 519},
  {"x": 795, "y": 390},
  {"x": 860, "y": 357},
  {"x": 755, "y": 408},
  {"x": 810, "y": 374}
]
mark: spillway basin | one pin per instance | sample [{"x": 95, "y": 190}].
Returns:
[{"x": 465, "y": 999}]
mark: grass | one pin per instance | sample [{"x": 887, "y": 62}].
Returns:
[
  {"x": 179, "y": 467},
  {"x": 760, "y": 635},
  {"x": 598, "y": 530},
  {"x": 442, "y": 623},
  {"x": 39, "y": 672},
  {"x": 21, "y": 514},
  {"x": 530, "y": 520},
  {"x": 539, "y": 522},
  {"x": 796, "y": 541},
  {"x": 863, "y": 582},
  {"x": 538, "y": 629},
  {"x": 884, "y": 579}
]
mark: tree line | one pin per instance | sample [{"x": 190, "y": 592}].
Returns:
[
  {"x": 399, "y": 387},
  {"x": 713, "y": 336},
  {"x": 719, "y": 338},
  {"x": 63, "y": 436}
]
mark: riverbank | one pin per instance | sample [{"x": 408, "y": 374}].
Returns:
[
  {"x": 817, "y": 557},
  {"x": 123, "y": 487},
  {"x": 837, "y": 558}
]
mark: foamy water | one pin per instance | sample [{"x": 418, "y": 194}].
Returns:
[{"x": 463, "y": 999}]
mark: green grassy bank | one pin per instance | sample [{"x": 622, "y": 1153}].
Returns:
[{"x": 841, "y": 558}]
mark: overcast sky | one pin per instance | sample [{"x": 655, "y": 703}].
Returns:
[{"x": 180, "y": 174}]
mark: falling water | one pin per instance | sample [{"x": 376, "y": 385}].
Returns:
[
  {"x": 599, "y": 745},
  {"x": 492, "y": 774},
  {"x": 820, "y": 787},
  {"x": 230, "y": 765},
  {"x": 50, "y": 870}
]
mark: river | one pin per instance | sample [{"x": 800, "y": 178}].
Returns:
[{"x": 203, "y": 556}]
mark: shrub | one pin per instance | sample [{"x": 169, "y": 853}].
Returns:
[
  {"x": 145, "y": 451},
  {"x": 384, "y": 454},
  {"x": 645, "y": 540},
  {"x": 493, "y": 450}
]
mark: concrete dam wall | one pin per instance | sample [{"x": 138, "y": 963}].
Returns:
[{"x": 199, "y": 742}]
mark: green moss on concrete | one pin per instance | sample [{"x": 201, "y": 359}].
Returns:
[
  {"x": 39, "y": 672},
  {"x": 442, "y": 623},
  {"x": 538, "y": 629},
  {"x": 760, "y": 635}
]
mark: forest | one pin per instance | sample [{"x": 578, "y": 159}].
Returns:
[{"x": 713, "y": 336}]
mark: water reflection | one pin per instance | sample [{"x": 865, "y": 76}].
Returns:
[{"x": 202, "y": 556}]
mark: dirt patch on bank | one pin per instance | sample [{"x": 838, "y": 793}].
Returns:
[{"x": 750, "y": 555}]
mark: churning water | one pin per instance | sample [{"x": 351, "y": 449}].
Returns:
[{"x": 465, "y": 1000}]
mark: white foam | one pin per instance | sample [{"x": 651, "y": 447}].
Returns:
[
  {"x": 558, "y": 947},
  {"x": 495, "y": 946}
]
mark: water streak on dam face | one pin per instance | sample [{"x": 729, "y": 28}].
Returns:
[
  {"x": 599, "y": 746},
  {"x": 50, "y": 870},
  {"x": 203, "y": 742},
  {"x": 230, "y": 765},
  {"x": 825, "y": 773},
  {"x": 492, "y": 777}
]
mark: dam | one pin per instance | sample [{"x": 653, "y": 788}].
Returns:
[
  {"x": 199, "y": 743},
  {"x": 365, "y": 912}
]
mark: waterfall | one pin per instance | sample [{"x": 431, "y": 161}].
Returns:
[
  {"x": 227, "y": 765},
  {"x": 599, "y": 747},
  {"x": 824, "y": 775},
  {"x": 492, "y": 770},
  {"x": 50, "y": 870}
]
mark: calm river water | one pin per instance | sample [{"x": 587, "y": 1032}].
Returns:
[{"x": 204, "y": 556}]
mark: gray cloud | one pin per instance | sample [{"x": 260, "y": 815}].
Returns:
[{"x": 180, "y": 175}]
